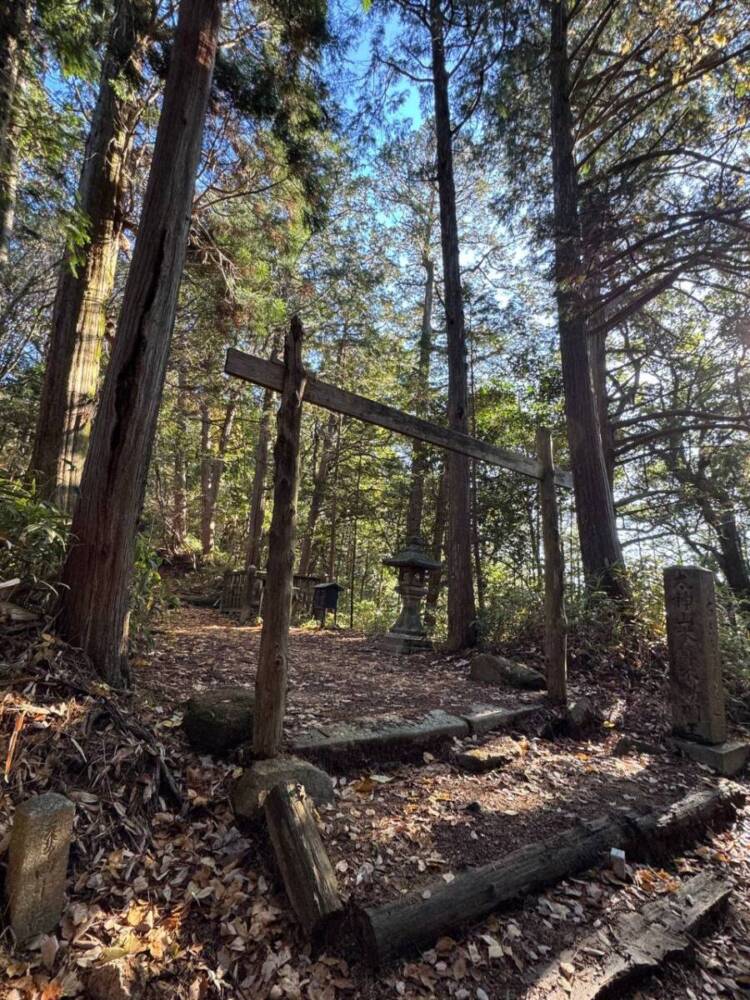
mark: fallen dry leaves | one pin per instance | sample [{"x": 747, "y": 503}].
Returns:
[{"x": 178, "y": 891}]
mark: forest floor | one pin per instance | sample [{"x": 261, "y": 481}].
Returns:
[{"x": 191, "y": 900}]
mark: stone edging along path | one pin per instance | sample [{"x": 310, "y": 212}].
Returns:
[{"x": 433, "y": 727}]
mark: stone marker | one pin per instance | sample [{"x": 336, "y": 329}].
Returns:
[
  {"x": 37, "y": 864},
  {"x": 697, "y": 691}
]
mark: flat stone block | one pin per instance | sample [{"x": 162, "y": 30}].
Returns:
[
  {"x": 38, "y": 864},
  {"x": 256, "y": 782},
  {"x": 403, "y": 645},
  {"x": 727, "y": 758},
  {"x": 377, "y": 733},
  {"x": 487, "y": 718}
]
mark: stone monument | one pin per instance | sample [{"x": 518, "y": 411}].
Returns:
[
  {"x": 696, "y": 687},
  {"x": 408, "y": 634},
  {"x": 37, "y": 864}
]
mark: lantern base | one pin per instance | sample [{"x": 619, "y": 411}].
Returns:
[{"x": 399, "y": 642}]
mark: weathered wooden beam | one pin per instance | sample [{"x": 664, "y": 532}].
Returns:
[
  {"x": 271, "y": 678},
  {"x": 305, "y": 867},
  {"x": 415, "y": 922},
  {"x": 270, "y": 374},
  {"x": 637, "y": 943}
]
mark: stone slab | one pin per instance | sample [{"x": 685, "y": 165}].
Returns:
[
  {"x": 728, "y": 758},
  {"x": 488, "y": 718},
  {"x": 696, "y": 687},
  {"x": 37, "y": 864},
  {"x": 367, "y": 734},
  {"x": 403, "y": 645},
  {"x": 251, "y": 789}
]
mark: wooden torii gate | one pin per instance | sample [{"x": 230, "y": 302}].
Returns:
[{"x": 295, "y": 385}]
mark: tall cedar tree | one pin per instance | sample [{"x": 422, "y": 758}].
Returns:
[
  {"x": 99, "y": 567},
  {"x": 87, "y": 273}
]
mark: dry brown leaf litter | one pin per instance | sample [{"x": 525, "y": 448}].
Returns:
[{"x": 186, "y": 897}]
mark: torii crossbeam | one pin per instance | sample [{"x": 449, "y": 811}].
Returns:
[
  {"x": 296, "y": 387},
  {"x": 270, "y": 374}
]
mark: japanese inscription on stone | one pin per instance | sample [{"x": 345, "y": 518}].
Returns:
[
  {"x": 37, "y": 864},
  {"x": 697, "y": 691}
]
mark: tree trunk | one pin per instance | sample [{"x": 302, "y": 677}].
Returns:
[
  {"x": 87, "y": 273},
  {"x": 331, "y": 560},
  {"x": 212, "y": 468},
  {"x": 248, "y": 611},
  {"x": 206, "y": 528},
  {"x": 271, "y": 678},
  {"x": 99, "y": 567},
  {"x": 435, "y": 579},
  {"x": 597, "y": 528},
  {"x": 421, "y": 397},
  {"x": 180, "y": 511},
  {"x": 320, "y": 481},
  {"x": 461, "y": 614},
  {"x": 327, "y": 456},
  {"x": 15, "y": 22},
  {"x": 598, "y": 360},
  {"x": 734, "y": 565},
  {"x": 555, "y": 624}
]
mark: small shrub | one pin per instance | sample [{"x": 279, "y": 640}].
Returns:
[{"x": 33, "y": 541}]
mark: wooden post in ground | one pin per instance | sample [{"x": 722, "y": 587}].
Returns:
[
  {"x": 555, "y": 624},
  {"x": 271, "y": 679}
]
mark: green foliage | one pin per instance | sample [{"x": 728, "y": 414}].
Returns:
[
  {"x": 33, "y": 540},
  {"x": 370, "y": 617},
  {"x": 734, "y": 639},
  {"x": 148, "y": 595}
]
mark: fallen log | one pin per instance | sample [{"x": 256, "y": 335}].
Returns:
[
  {"x": 637, "y": 943},
  {"x": 305, "y": 867},
  {"x": 408, "y": 924}
]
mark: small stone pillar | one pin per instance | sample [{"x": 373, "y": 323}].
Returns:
[
  {"x": 408, "y": 634},
  {"x": 697, "y": 690},
  {"x": 37, "y": 864}
]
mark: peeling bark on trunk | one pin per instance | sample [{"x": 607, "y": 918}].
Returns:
[
  {"x": 87, "y": 274},
  {"x": 461, "y": 613},
  {"x": 597, "y": 528},
  {"x": 99, "y": 568}
]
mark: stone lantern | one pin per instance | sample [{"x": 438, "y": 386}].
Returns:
[{"x": 407, "y": 634}]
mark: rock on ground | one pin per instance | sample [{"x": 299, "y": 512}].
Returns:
[
  {"x": 256, "y": 782},
  {"x": 490, "y": 669},
  {"x": 118, "y": 980},
  {"x": 219, "y": 719}
]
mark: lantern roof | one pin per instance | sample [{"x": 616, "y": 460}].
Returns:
[{"x": 413, "y": 555}]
